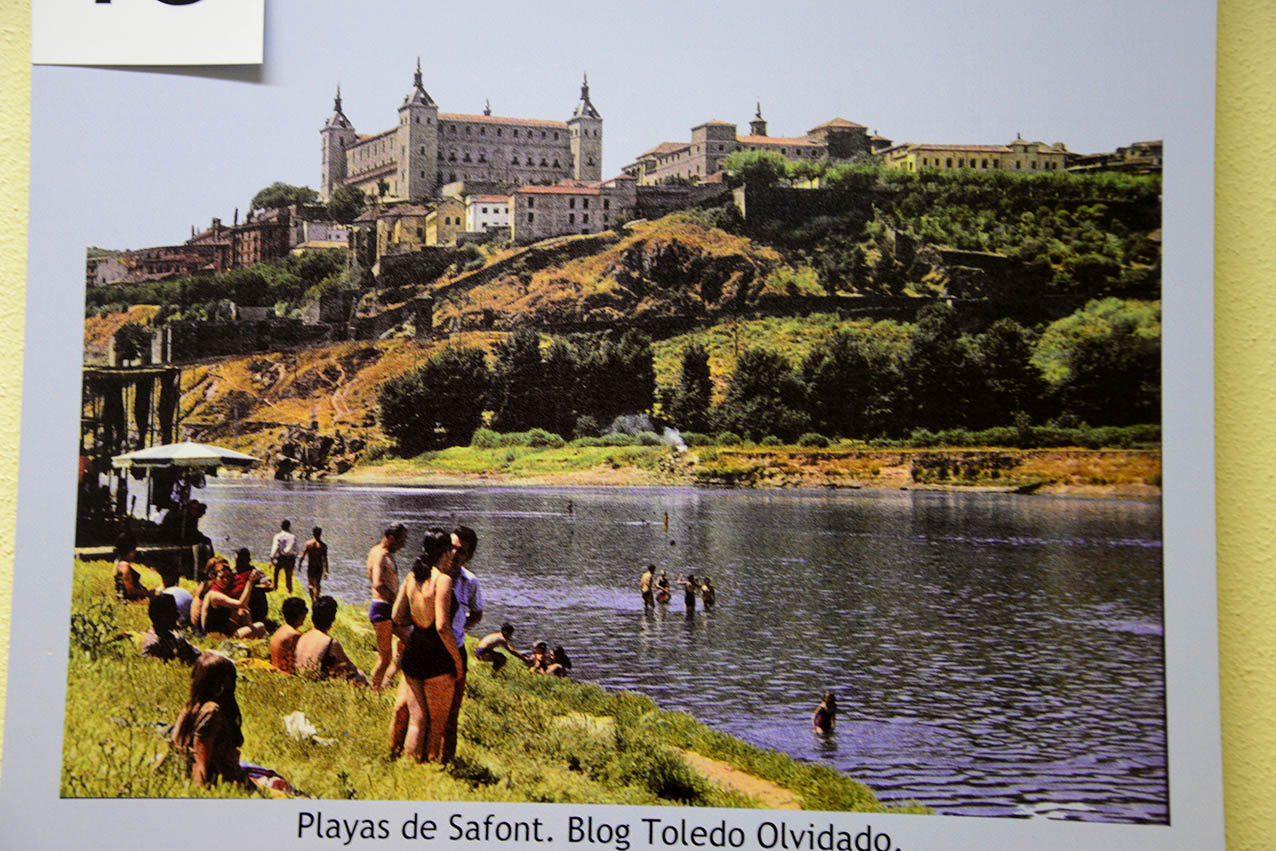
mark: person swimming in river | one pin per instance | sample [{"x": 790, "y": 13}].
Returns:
[
  {"x": 708, "y": 593},
  {"x": 825, "y": 715},
  {"x": 662, "y": 588}
]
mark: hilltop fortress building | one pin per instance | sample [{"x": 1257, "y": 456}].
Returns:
[
  {"x": 428, "y": 149},
  {"x": 713, "y": 141}
]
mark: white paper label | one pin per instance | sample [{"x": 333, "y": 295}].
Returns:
[{"x": 147, "y": 32}]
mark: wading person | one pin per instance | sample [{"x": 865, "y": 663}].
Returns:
[
  {"x": 825, "y": 715},
  {"x": 689, "y": 590},
  {"x": 431, "y": 662},
  {"x": 283, "y": 554},
  {"x": 383, "y": 575},
  {"x": 315, "y": 556},
  {"x": 644, "y": 585},
  {"x": 662, "y": 588},
  {"x": 559, "y": 663},
  {"x": 708, "y": 593}
]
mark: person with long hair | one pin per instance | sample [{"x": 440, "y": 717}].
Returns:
[
  {"x": 206, "y": 574},
  {"x": 208, "y": 730},
  {"x": 128, "y": 582},
  {"x": 431, "y": 662},
  {"x": 560, "y": 663}
]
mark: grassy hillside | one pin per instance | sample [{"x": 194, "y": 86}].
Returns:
[{"x": 523, "y": 737}]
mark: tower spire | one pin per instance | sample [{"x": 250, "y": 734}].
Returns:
[
  {"x": 336, "y": 103},
  {"x": 487, "y": 106},
  {"x": 585, "y": 109}
]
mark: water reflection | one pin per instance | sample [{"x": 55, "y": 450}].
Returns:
[{"x": 992, "y": 654}]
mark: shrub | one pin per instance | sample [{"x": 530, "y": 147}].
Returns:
[
  {"x": 485, "y": 438},
  {"x": 696, "y": 438},
  {"x": 771, "y": 440},
  {"x": 648, "y": 438},
  {"x": 812, "y": 438},
  {"x": 94, "y": 631},
  {"x": 540, "y": 438},
  {"x": 728, "y": 438},
  {"x": 376, "y": 451}
]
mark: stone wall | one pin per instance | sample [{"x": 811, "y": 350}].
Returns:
[{"x": 181, "y": 342}]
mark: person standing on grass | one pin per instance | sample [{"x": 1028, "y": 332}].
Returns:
[
  {"x": 383, "y": 575},
  {"x": 283, "y": 553},
  {"x": 315, "y": 555},
  {"x": 469, "y": 611},
  {"x": 423, "y": 613}
]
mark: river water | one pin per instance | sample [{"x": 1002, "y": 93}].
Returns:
[{"x": 993, "y": 654}]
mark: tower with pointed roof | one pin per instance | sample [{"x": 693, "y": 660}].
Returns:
[
  {"x": 757, "y": 127},
  {"x": 337, "y": 135},
  {"x": 418, "y": 141},
  {"x": 586, "y": 130}
]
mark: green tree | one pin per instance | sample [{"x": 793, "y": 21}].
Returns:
[
  {"x": 941, "y": 375},
  {"x": 1103, "y": 363},
  {"x": 346, "y": 204},
  {"x": 689, "y": 403},
  {"x": 620, "y": 377},
  {"x": 280, "y": 194},
  {"x": 756, "y": 168},
  {"x": 436, "y": 405},
  {"x": 841, "y": 387},
  {"x": 764, "y": 397},
  {"x": 132, "y": 343},
  {"x": 1012, "y": 385},
  {"x": 562, "y": 389},
  {"x": 518, "y": 379}
]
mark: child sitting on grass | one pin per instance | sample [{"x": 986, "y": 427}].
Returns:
[{"x": 163, "y": 641}]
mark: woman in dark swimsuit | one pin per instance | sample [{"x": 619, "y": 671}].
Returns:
[
  {"x": 825, "y": 715},
  {"x": 422, "y": 617},
  {"x": 128, "y": 582}
]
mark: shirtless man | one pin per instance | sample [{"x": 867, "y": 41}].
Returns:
[
  {"x": 490, "y": 645},
  {"x": 383, "y": 574},
  {"x": 315, "y": 556},
  {"x": 283, "y": 644},
  {"x": 644, "y": 585}
]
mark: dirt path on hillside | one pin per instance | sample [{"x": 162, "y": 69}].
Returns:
[{"x": 765, "y": 792}]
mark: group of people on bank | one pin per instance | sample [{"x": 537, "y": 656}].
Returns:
[
  {"x": 419, "y": 619},
  {"x": 655, "y": 589}
]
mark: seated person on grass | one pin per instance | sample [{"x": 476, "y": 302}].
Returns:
[
  {"x": 283, "y": 644},
  {"x": 163, "y": 641},
  {"x": 319, "y": 654},
  {"x": 489, "y": 647},
  {"x": 128, "y": 582},
  {"x": 183, "y": 598},
  {"x": 229, "y": 615}
]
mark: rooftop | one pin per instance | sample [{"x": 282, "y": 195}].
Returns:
[{"x": 499, "y": 119}]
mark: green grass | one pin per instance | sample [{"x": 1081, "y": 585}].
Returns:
[
  {"x": 523, "y": 737},
  {"x": 532, "y": 461}
]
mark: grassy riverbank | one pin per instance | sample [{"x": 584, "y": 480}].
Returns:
[
  {"x": 523, "y": 737},
  {"x": 1091, "y": 472}
]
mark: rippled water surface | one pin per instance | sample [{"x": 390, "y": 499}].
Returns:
[{"x": 992, "y": 654}]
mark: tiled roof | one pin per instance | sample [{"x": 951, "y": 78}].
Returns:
[
  {"x": 777, "y": 140},
  {"x": 360, "y": 138},
  {"x": 557, "y": 190},
  {"x": 498, "y": 119},
  {"x": 838, "y": 122},
  {"x": 664, "y": 148},
  {"x": 714, "y": 123},
  {"x": 489, "y": 199}
]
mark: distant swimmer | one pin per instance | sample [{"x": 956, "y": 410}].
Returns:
[
  {"x": 689, "y": 589},
  {"x": 825, "y": 715},
  {"x": 666, "y": 521},
  {"x": 662, "y": 588},
  {"x": 570, "y": 508},
  {"x": 644, "y": 585},
  {"x": 490, "y": 646},
  {"x": 708, "y": 593}
]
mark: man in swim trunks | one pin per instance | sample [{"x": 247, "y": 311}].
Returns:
[
  {"x": 489, "y": 647},
  {"x": 283, "y": 553},
  {"x": 383, "y": 574},
  {"x": 315, "y": 556},
  {"x": 644, "y": 585}
]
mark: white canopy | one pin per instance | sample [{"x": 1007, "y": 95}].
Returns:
[{"x": 184, "y": 454}]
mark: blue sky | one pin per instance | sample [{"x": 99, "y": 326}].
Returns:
[{"x": 149, "y": 153}]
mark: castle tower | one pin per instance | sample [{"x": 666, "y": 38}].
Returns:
[
  {"x": 586, "y": 128},
  {"x": 337, "y": 134},
  {"x": 418, "y": 136},
  {"x": 757, "y": 127}
]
